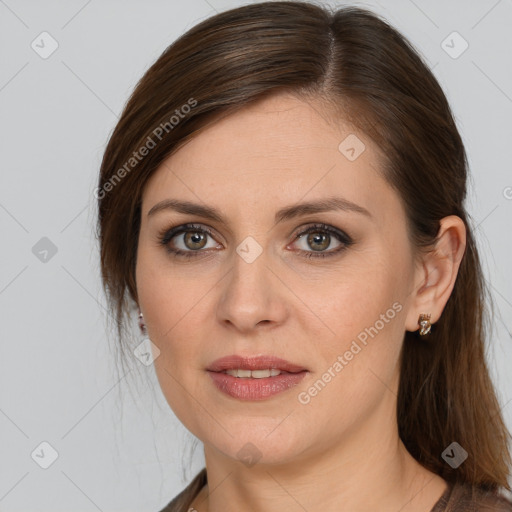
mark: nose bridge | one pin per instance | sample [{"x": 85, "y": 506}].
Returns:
[
  {"x": 250, "y": 294},
  {"x": 250, "y": 269}
]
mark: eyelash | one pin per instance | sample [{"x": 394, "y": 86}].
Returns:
[{"x": 166, "y": 235}]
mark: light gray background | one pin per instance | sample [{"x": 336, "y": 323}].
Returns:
[{"x": 58, "y": 375}]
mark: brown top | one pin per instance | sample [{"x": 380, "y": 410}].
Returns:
[
  {"x": 457, "y": 498},
  {"x": 465, "y": 498}
]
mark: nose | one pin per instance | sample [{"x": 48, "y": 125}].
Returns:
[{"x": 252, "y": 295}]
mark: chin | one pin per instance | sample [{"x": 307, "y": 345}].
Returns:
[{"x": 259, "y": 444}]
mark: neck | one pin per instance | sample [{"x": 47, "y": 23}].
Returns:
[{"x": 368, "y": 469}]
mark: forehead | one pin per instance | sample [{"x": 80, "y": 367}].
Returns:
[{"x": 275, "y": 152}]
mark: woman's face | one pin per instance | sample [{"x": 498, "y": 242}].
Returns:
[{"x": 249, "y": 289}]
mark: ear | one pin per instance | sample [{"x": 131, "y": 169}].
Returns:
[{"x": 436, "y": 273}]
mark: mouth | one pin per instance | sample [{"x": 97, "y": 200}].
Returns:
[{"x": 254, "y": 378}]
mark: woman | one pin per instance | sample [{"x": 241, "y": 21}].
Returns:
[{"x": 283, "y": 201}]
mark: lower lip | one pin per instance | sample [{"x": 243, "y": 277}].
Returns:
[{"x": 248, "y": 388}]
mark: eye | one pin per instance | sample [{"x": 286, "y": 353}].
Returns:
[
  {"x": 319, "y": 237},
  {"x": 192, "y": 238}
]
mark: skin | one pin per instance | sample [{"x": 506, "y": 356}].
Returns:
[{"x": 340, "y": 451}]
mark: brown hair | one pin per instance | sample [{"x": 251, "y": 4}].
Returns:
[{"x": 370, "y": 74}]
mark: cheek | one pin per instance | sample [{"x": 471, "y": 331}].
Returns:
[
  {"x": 362, "y": 318},
  {"x": 173, "y": 302},
  {"x": 357, "y": 368},
  {"x": 353, "y": 296},
  {"x": 168, "y": 292}
]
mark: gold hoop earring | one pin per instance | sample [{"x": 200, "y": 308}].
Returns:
[{"x": 424, "y": 323}]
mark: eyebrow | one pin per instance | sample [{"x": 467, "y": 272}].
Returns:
[{"x": 284, "y": 214}]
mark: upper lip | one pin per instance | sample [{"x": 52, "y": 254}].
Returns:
[{"x": 265, "y": 362}]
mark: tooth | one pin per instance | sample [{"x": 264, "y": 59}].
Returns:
[
  {"x": 259, "y": 374},
  {"x": 239, "y": 373},
  {"x": 255, "y": 374}
]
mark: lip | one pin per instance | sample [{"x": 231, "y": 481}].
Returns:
[
  {"x": 264, "y": 362},
  {"x": 250, "y": 388}
]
